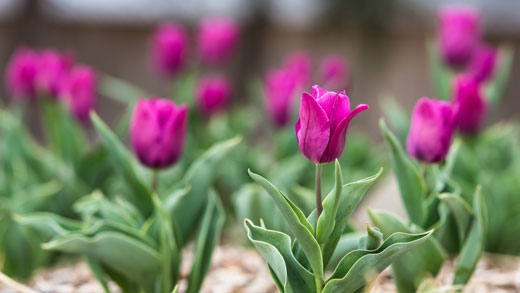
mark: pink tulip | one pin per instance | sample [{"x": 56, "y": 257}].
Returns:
[
  {"x": 472, "y": 106},
  {"x": 217, "y": 39},
  {"x": 299, "y": 64},
  {"x": 334, "y": 72},
  {"x": 78, "y": 90},
  {"x": 483, "y": 62},
  {"x": 53, "y": 67},
  {"x": 169, "y": 49},
  {"x": 279, "y": 93},
  {"x": 213, "y": 93},
  {"x": 21, "y": 73}
]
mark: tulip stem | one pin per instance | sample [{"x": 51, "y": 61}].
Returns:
[
  {"x": 319, "y": 206},
  {"x": 153, "y": 183}
]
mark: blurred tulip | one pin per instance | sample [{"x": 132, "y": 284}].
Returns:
[
  {"x": 431, "y": 130},
  {"x": 21, "y": 73},
  {"x": 334, "y": 72},
  {"x": 471, "y": 105},
  {"x": 53, "y": 67},
  {"x": 279, "y": 90},
  {"x": 299, "y": 65},
  {"x": 213, "y": 93},
  {"x": 459, "y": 33},
  {"x": 483, "y": 62},
  {"x": 324, "y": 120},
  {"x": 78, "y": 90},
  {"x": 157, "y": 132},
  {"x": 169, "y": 48},
  {"x": 217, "y": 39}
]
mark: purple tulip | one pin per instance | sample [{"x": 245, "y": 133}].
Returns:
[
  {"x": 459, "y": 31},
  {"x": 471, "y": 105},
  {"x": 324, "y": 120},
  {"x": 279, "y": 91},
  {"x": 157, "y": 132},
  {"x": 168, "y": 49},
  {"x": 334, "y": 72},
  {"x": 431, "y": 130},
  {"x": 78, "y": 90},
  {"x": 21, "y": 73},
  {"x": 299, "y": 65},
  {"x": 213, "y": 93},
  {"x": 53, "y": 67},
  {"x": 482, "y": 64},
  {"x": 217, "y": 39}
]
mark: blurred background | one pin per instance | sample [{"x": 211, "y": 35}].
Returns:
[{"x": 383, "y": 40}]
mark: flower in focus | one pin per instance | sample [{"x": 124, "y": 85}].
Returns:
[
  {"x": 21, "y": 73},
  {"x": 459, "y": 33},
  {"x": 324, "y": 120},
  {"x": 157, "y": 131},
  {"x": 217, "y": 39},
  {"x": 471, "y": 105},
  {"x": 213, "y": 93},
  {"x": 78, "y": 91},
  {"x": 168, "y": 48},
  {"x": 299, "y": 64},
  {"x": 482, "y": 64},
  {"x": 279, "y": 90},
  {"x": 334, "y": 72},
  {"x": 53, "y": 67},
  {"x": 431, "y": 130}
]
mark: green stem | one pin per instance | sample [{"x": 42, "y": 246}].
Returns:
[
  {"x": 153, "y": 181},
  {"x": 319, "y": 285},
  {"x": 319, "y": 206}
]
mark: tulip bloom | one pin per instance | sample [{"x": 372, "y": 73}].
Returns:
[
  {"x": 324, "y": 120},
  {"x": 459, "y": 32},
  {"x": 213, "y": 93},
  {"x": 431, "y": 130},
  {"x": 78, "y": 90},
  {"x": 482, "y": 65},
  {"x": 21, "y": 73},
  {"x": 279, "y": 90},
  {"x": 299, "y": 65},
  {"x": 472, "y": 106},
  {"x": 158, "y": 131},
  {"x": 217, "y": 39},
  {"x": 334, "y": 72},
  {"x": 53, "y": 67},
  {"x": 169, "y": 48}
]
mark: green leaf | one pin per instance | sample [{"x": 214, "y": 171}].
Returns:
[
  {"x": 441, "y": 74},
  {"x": 360, "y": 267},
  {"x": 474, "y": 245},
  {"x": 124, "y": 163},
  {"x": 97, "y": 270},
  {"x": 209, "y": 232},
  {"x": 411, "y": 185},
  {"x": 460, "y": 210},
  {"x": 48, "y": 225},
  {"x": 495, "y": 89},
  {"x": 275, "y": 248},
  {"x": 410, "y": 269},
  {"x": 299, "y": 225},
  {"x": 327, "y": 220},
  {"x": 120, "y": 90}
]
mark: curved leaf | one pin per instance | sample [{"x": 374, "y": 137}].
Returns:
[
  {"x": 460, "y": 210},
  {"x": 327, "y": 220}
]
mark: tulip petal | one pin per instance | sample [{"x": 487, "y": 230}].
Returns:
[
  {"x": 337, "y": 107},
  {"x": 313, "y": 129},
  {"x": 317, "y": 91}
]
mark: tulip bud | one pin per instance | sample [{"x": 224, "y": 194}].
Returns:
[
  {"x": 53, "y": 67},
  {"x": 78, "y": 90},
  {"x": 157, "y": 132},
  {"x": 431, "y": 130},
  {"x": 299, "y": 65},
  {"x": 334, "y": 72},
  {"x": 482, "y": 64},
  {"x": 21, "y": 73},
  {"x": 168, "y": 48},
  {"x": 213, "y": 93},
  {"x": 217, "y": 39},
  {"x": 279, "y": 93},
  {"x": 459, "y": 32},
  {"x": 324, "y": 120},
  {"x": 471, "y": 105}
]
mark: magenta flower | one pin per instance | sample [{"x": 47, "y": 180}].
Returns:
[
  {"x": 459, "y": 32},
  {"x": 213, "y": 93},
  {"x": 334, "y": 72},
  {"x": 53, "y": 67},
  {"x": 431, "y": 130},
  {"x": 78, "y": 91},
  {"x": 21, "y": 73},
  {"x": 299, "y": 65},
  {"x": 279, "y": 91},
  {"x": 471, "y": 105},
  {"x": 169, "y": 49},
  {"x": 158, "y": 131},
  {"x": 217, "y": 39},
  {"x": 483, "y": 62},
  {"x": 324, "y": 120}
]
